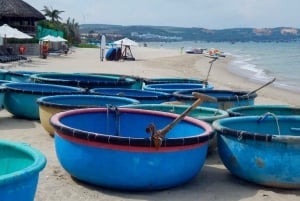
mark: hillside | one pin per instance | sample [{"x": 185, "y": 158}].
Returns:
[{"x": 166, "y": 33}]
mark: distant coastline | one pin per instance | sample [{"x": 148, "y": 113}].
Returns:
[{"x": 170, "y": 34}]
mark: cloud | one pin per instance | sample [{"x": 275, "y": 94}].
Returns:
[{"x": 191, "y": 13}]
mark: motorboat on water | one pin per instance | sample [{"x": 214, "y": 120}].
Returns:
[{"x": 195, "y": 50}]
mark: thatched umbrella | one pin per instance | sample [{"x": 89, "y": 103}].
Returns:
[{"x": 18, "y": 9}]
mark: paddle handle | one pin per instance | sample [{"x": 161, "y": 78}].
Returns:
[
  {"x": 268, "y": 83},
  {"x": 166, "y": 129},
  {"x": 211, "y": 63},
  {"x": 201, "y": 98}
]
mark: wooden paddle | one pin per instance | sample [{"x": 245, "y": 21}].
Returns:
[
  {"x": 211, "y": 63},
  {"x": 259, "y": 88},
  {"x": 157, "y": 135}
]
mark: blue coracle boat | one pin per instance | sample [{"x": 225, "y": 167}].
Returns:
[
  {"x": 49, "y": 105},
  {"x": 114, "y": 150},
  {"x": 165, "y": 80},
  {"x": 142, "y": 96},
  {"x": 87, "y": 81},
  {"x": 261, "y": 149},
  {"x": 257, "y": 110},
  {"x": 172, "y": 87},
  {"x": 20, "y": 75},
  {"x": 20, "y": 98},
  {"x": 225, "y": 98},
  {"x": 19, "y": 173}
]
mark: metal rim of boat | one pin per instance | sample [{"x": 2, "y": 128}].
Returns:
[
  {"x": 218, "y": 113},
  {"x": 55, "y": 89},
  {"x": 246, "y": 135},
  {"x": 91, "y": 80},
  {"x": 238, "y": 111},
  {"x": 128, "y": 141},
  {"x": 192, "y": 87},
  {"x": 237, "y": 95},
  {"x": 148, "y": 81},
  {"x": 122, "y": 76},
  {"x": 21, "y": 73},
  {"x": 46, "y": 101},
  {"x": 152, "y": 95}
]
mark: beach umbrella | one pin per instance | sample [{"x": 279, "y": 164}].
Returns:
[
  {"x": 126, "y": 42},
  {"x": 60, "y": 39},
  {"x": 8, "y": 32},
  {"x": 50, "y": 38}
]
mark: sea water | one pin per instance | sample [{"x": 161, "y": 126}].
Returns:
[{"x": 259, "y": 62}]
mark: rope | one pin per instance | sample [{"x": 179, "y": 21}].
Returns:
[
  {"x": 238, "y": 100},
  {"x": 261, "y": 118},
  {"x": 240, "y": 135}
]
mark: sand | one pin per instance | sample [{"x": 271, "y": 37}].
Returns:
[{"x": 214, "y": 182}]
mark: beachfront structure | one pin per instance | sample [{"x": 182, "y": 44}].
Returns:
[{"x": 20, "y": 15}]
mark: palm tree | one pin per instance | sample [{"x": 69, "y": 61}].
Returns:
[
  {"x": 53, "y": 14},
  {"x": 72, "y": 30}
]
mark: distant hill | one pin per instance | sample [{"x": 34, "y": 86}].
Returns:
[{"x": 168, "y": 33}]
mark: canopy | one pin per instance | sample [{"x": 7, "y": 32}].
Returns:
[
  {"x": 8, "y": 32},
  {"x": 61, "y": 39},
  {"x": 53, "y": 39},
  {"x": 126, "y": 42}
]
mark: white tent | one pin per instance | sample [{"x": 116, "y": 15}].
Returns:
[
  {"x": 60, "y": 39},
  {"x": 50, "y": 38},
  {"x": 126, "y": 42},
  {"x": 8, "y": 32}
]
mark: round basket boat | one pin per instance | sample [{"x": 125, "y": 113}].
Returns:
[
  {"x": 20, "y": 98},
  {"x": 225, "y": 98},
  {"x": 256, "y": 110},
  {"x": 50, "y": 105},
  {"x": 165, "y": 80},
  {"x": 82, "y": 80},
  {"x": 142, "y": 96},
  {"x": 261, "y": 149},
  {"x": 19, "y": 76},
  {"x": 20, "y": 166},
  {"x": 114, "y": 141},
  {"x": 139, "y": 81},
  {"x": 172, "y": 87}
]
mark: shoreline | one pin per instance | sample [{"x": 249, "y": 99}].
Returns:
[
  {"x": 213, "y": 182},
  {"x": 241, "y": 65},
  {"x": 246, "y": 73},
  {"x": 163, "y": 62}
]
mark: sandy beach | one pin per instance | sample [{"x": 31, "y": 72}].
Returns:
[{"x": 214, "y": 181}]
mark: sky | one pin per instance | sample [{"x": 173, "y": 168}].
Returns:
[{"x": 210, "y": 14}]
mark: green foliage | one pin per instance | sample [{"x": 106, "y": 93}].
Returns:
[
  {"x": 53, "y": 14},
  {"x": 70, "y": 28}
]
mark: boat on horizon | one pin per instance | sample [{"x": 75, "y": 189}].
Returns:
[{"x": 195, "y": 50}]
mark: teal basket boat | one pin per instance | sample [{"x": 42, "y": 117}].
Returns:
[
  {"x": 19, "y": 173},
  {"x": 256, "y": 110}
]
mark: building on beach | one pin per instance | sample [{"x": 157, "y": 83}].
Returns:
[{"x": 20, "y": 15}]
